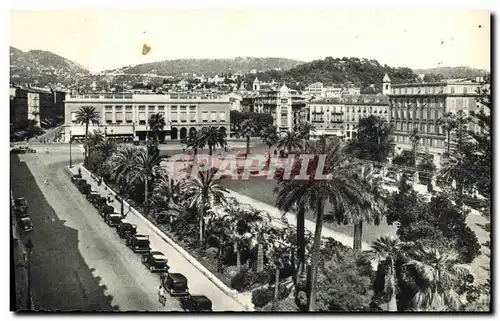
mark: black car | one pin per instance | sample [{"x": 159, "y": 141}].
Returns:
[
  {"x": 125, "y": 230},
  {"x": 155, "y": 261},
  {"x": 85, "y": 188},
  {"x": 79, "y": 182},
  {"x": 92, "y": 196},
  {"x": 175, "y": 284},
  {"x": 196, "y": 303},
  {"x": 21, "y": 205},
  {"x": 25, "y": 224},
  {"x": 139, "y": 243},
  {"x": 106, "y": 209},
  {"x": 113, "y": 219},
  {"x": 99, "y": 202},
  {"x": 76, "y": 177}
]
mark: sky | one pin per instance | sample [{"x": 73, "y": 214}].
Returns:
[{"x": 102, "y": 39}]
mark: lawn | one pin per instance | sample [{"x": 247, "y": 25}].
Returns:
[{"x": 261, "y": 189}]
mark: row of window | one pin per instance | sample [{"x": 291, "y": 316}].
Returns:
[
  {"x": 416, "y": 102},
  {"x": 150, "y": 107},
  {"x": 423, "y": 128},
  {"x": 431, "y": 142},
  {"x": 417, "y": 114},
  {"x": 435, "y": 90},
  {"x": 354, "y": 109},
  {"x": 128, "y": 117}
]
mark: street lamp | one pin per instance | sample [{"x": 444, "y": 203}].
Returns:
[
  {"x": 70, "y": 157},
  {"x": 29, "y": 248}
]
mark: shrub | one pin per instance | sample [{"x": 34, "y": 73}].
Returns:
[
  {"x": 212, "y": 252},
  {"x": 245, "y": 279},
  {"x": 261, "y": 297}
]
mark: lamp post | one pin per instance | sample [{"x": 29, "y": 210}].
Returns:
[
  {"x": 29, "y": 248},
  {"x": 70, "y": 157}
]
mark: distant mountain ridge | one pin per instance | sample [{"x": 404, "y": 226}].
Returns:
[
  {"x": 211, "y": 67},
  {"x": 453, "y": 72},
  {"x": 43, "y": 68}
]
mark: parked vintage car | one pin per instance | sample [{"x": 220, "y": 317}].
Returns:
[
  {"x": 155, "y": 261},
  {"x": 25, "y": 224},
  {"x": 79, "y": 182},
  {"x": 99, "y": 202},
  {"x": 125, "y": 230},
  {"x": 113, "y": 219},
  {"x": 85, "y": 188},
  {"x": 21, "y": 205},
  {"x": 92, "y": 196},
  {"x": 175, "y": 284},
  {"x": 106, "y": 209},
  {"x": 196, "y": 303},
  {"x": 139, "y": 243}
]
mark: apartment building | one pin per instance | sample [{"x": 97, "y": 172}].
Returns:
[
  {"x": 421, "y": 105},
  {"x": 340, "y": 116},
  {"x": 127, "y": 114}
]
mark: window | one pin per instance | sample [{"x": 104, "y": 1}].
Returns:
[
  {"x": 465, "y": 90},
  {"x": 183, "y": 108},
  {"x": 452, "y": 89},
  {"x": 183, "y": 117},
  {"x": 119, "y": 117},
  {"x": 204, "y": 116},
  {"x": 108, "y": 108},
  {"x": 109, "y": 118},
  {"x": 151, "y": 108},
  {"x": 142, "y": 107},
  {"x": 128, "y": 107},
  {"x": 192, "y": 117},
  {"x": 174, "y": 116},
  {"x": 118, "y": 108},
  {"x": 128, "y": 117},
  {"x": 213, "y": 116},
  {"x": 222, "y": 116},
  {"x": 73, "y": 117},
  {"x": 142, "y": 118},
  {"x": 161, "y": 108},
  {"x": 173, "y": 108}
]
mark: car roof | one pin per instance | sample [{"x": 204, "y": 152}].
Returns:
[
  {"x": 156, "y": 253},
  {"x": 20, "y": 198},
  {"x": 25, "y": 218},
  {"x": 141, "y": 236},
  {"x": 201, "y": 298},
  {"x": 177, "y": 277},
  {"x": 114, "y": 214}
]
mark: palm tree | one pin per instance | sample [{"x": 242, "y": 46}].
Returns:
[
  {"x": 105, "y": 151},
  {"x": 269, "y": 136},
  {"x": 156, "y": 124},
  {"x": 448, "y": 123},
  {"x": 388, "y": 250},
  {"x": 202, "y": 192},
  {"x": 145, "y": 166},
  {"x": 440, "y": 275},
  {"x": 290, "y": 141},
  {"x": 119, "y": 166},
  {"x": 86, "y": 115},
  {"x": 263, "y": 235},
  {"x": 305, "y": 129},
  {"x": 211, "y": 137},
  {"x": 276, "y": 251},
  {"x": 166, "y": 194},
  {"x": 415, "y": 139},
  {"x": 371, "y": 209},
  {"x": 247, "y": 129}
]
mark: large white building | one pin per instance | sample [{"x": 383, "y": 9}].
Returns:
[{"x": 127, "y": 114}]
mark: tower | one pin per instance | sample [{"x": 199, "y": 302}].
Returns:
[
  {"x": 386, "y": 85},
  {"x": 256, "y": 84}
]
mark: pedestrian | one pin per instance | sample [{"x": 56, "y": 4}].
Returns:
[
  {"x": 45, "y": 182},
  {"x": 162, "y": 298}
]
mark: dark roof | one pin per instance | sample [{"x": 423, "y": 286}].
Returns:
[{"x": 177, "y": 277}]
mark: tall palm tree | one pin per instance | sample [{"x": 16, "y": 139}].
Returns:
[
  {"x": 119, "y": 167},
  {"x": 145, "y": 167},
  {"x": 87, "y": 115},
  {"x": 269, "y": 136},
  {"x": 388, "y": 250},
  {"x": 440, "y": 275},
  {"x": 415, "y": 139},
  {"x": 212, "y": 137},
  {"x": 305, "y": 130},
  {"x": 338, "y": 188},
  {"x": 290, "y": 141},
  {"x": 202, "y": 192},
  {"x": 263, "y": 235},
  {"x": 156, "y": 124},
  {"x": 370, "y": 210},
  {"x": 247, "y": 130},
  {"x": 448, "y": 123}
]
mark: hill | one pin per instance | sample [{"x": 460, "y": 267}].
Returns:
[
  {"x": 364, "y": 73},
  {"x": 211, "y": 67},
  {"x": 453, "y": 72},
  {"x": 43, "y": 68}
]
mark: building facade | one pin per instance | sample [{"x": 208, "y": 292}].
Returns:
[
  {"x": 421, "y": 105},
  {"x": 340, "y": 116},
  {"x": 126, "y": 115}
]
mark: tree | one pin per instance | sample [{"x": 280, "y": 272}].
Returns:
[
  {"x": 385, "y": 251},
  {"x": 145, "y": 168},
  {"x": 211, "y": 137},
  {"x": 373, "y": 140},
  {"x": 156, "y": 124},
  {"x": 426, "y": 165},
  {"x": 270, "y": 136},
  {"x": 370, "y": 209},
  {"x": 415, "y": 140},
  {"x": 340, "y": 189},
  {"x": 448, "y": 123},
  {"x": 305, "y": 129},
  {"x": 247, "y": 129},
  {"x": 202, "y": 192},
  {"x": 87, "y": 115},
  {"x": 119, "y": 167},
  {"x": 440, "y": 276},
  {"x": 290, "y": 141}
]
